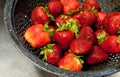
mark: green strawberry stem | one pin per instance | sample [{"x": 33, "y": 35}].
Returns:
[
  {"x": 74, "y": 11},
  {"x": 101, "y": 36},
  {"x": 48, "y": 14},
  {"x": 92, "y": 9},
  {"x": 45, "y": 49},
  {"x": 71, "y": 25},
  {"x": 118, "y": 39},
  {"x": 47, "y": 29}
]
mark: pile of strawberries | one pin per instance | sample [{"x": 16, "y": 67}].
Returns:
[{"x": 69, "y": 35}]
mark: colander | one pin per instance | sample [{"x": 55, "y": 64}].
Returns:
[{"x": 17, "y": 19}]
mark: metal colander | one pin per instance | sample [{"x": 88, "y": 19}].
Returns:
[{"x": 17, "y": 18}]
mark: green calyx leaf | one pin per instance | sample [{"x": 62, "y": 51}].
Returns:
[
  {"x": 92, "y": 9},
  {"x": 118, "y": 32},
  {"x": 71, "y": 25},
  {"x": 101, "y": 36},
  {"x": 46, "y": 49},
  {"x": 74, "y": 27},
  {"x": 73, "y": 11},
  {"x": 79, "y": 57},
  {"x": 51, "y": 17},
  {"x": 64, "y": 16},
  {"x": 46, "y": 9},
  {"x": 47, "y": 29},
  {"x": 48, "y": 14},
  {"x": 118, "y": 39}
]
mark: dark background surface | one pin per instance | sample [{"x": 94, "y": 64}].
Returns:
[{"x": 13, "y": 63}]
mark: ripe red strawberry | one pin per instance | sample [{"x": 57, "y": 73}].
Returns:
[
  {"x": 112, "y": 23},
  {"x": 52, "y": 53},
  {"x": 81, "y": 46},
  {"x": 101, "y": 35},
  {"x": 70, "y": 62},
  {"x": 70, "y": 6},
  {"x": 89, "y": 4},
  {"x": 86, "y": 18},
  {"x": 66, "y": 32},
  {"x": 39, "y": 15},
  {"x": 64, "y": 38},
  {"x": 97, "y": 56},
  {"x": 87, "y": 33},
  {"x": 100, "y": 18},
  {"x": 111, "y": 44},
  {"x": 36, "y": 36},
  {"x": 55, "y": 8}
]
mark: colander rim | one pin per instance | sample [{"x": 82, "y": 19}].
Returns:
[{"x": 8, "y": 10}]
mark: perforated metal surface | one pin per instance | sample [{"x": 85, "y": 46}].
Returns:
[{"x": 20, "y": 18}]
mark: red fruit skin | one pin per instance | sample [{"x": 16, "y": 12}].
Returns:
[
  {"x": 63, "y": 38},
  {"x": 81, "y": 46},
  {"x": 36, "y": 36},
  {"x": 112, "y": 23},
  {"x": 87, "y": 33},
  {"x": 54, "y": 57},
  {"x": 76, "y": 19},
  {"x": 70, "y": 62},
  {"x": 86, "y": 18},
  {"x": 100, "y": 18},
  {"x": 55, "y": 8},
  {"x": 52, "y": 27},
  {"x": 61, "y": 19},
  {"x": 91, "y": 3},
  {"x": 111, "y": 45},
  {"x": 39, "y": 16},
  {"x": 69, "y": 5},
  {"x": 97, "y": 56}
]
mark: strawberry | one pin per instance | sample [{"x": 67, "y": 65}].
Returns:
[
  {"x": 98, "y": 55},
  {"x": 91, "y": 4},
  {"x": 63, "y": 38},
  {"x": 39, "y": 15},
  {"x": 70, "y": 6},
  {"x": 87, "y": 33},
  {"x": 100, "y": 18},
  {"x": 112, "y": 23},
  {"x": 66, "y": 32},
  {"x": 36, "y": 36},
  {"x": 81, "y": 46},
  {"x": 62, "y": 19},
  {"x": 55, "y": 8},
  {"x": 86, "y": 18},
  {"x": 52, "y": 53},
  {"x": 101, "y": 35},
  {"x": 111, "y": 44},
  {"x": 70, "y": 62}
]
